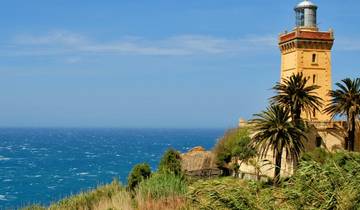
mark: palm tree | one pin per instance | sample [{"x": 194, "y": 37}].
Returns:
[
  {"x": 345, "y": 101},
  {"x": 274, "y": 131},
  {"x": 295, "y": 94}
]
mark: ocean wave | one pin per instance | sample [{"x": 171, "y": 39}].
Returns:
[
  {"x": 3, "y": 198},
  {"x": 33, "y": 176},
  {"x": 82, "y": 173},
  {"x": 2, "y": 158},
  {"x": 91, "y": 156}
]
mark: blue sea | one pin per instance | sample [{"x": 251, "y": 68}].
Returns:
[{"x": 45, "y": 165}]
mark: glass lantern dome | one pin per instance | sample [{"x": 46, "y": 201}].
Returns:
[{"x": 306, "y": 14}]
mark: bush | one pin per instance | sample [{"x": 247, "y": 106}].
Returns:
[
  {"x": 170, "y": 162},
  {"x": 234, "y": 144},
  {"x": 319, "y": 155},
  {"x": 138, "y": 173}
]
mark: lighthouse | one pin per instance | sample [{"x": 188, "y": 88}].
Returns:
[{"x": 307, "y": 50}]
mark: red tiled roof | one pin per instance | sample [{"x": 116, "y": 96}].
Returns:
[{"x": 327, "y": 36}]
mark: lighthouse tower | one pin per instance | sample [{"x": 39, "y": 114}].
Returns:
[{"x": 307, "y": 50}]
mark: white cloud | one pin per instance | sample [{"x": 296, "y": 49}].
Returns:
[
  {"x": 54, "y": 37},
  {"x": 64, "y": 43}
]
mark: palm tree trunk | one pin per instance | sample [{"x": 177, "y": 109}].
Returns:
[
  {"x": 296, "y": 120},
  {"x": 278, "y": 157},
  {"x": 351, "y": 134}
]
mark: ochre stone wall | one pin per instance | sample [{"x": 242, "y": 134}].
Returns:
[{"x": 309, "y": 52}]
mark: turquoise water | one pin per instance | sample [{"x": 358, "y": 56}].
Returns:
[{"x": 44, "y": 165}]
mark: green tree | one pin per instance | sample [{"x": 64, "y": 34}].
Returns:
[
  {"x": 242, "y": 151},
  {"x": 139, "y": 173},
  {"x": 297, "y": 95},
  {"x": 170, "y": 162},
  {"x": 345, "y": 101},
  {"x": 274, "y": 131},
  {"x": 234, "y": 145}
]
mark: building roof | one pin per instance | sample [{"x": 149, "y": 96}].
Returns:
[{"x": 306, "y": 4}]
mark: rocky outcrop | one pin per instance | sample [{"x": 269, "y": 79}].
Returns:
[{"x": 199, "y": 162}]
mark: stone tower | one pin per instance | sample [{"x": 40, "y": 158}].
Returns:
[{"x": 307, "y": 50}]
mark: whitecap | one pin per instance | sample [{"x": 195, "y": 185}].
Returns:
[
  {"x": 3, "y": 198},
  {"x": 33, "y": 176},
  {"x": 4, "y": 158},
  {"x": 91, "y": 156},
  {"x": 82, "y": 173},
  {"x": 7, "y": 180}
]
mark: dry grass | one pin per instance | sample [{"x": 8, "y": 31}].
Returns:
[
  {"x": 121, "y": 201},
  {"x": 169, "y": 203}
]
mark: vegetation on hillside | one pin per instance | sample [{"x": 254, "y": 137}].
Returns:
[
  {"x": 233, "y": 149},
  {"x": 139, "y": 173},
  {"x": 333, "y": 183},
  {"x": 322, "y": 181}
]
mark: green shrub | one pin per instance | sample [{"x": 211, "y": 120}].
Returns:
[
  {"x": 138, "y": 173},
  {"x": 162, "y": 185},
  {"x": 234, "y": 144},
  {"x": 319, "y": 155},
  {"x": 170, "y": 162}
]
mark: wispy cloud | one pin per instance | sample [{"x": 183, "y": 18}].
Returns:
[
  {"x": 347, "y": 44},
  {"x": 64, "y": 42}
]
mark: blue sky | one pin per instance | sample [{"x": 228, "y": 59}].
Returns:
[{"x": 160, "y": 63}]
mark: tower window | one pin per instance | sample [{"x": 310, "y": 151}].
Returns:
[
  {"x": 313, "y": 58},
  {"x": 314, "y": 78}
]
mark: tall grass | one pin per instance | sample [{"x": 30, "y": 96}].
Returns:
[{"x": 162, "y": 191}]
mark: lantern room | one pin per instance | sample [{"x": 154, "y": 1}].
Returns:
[{"x": 306, "y": 14}]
